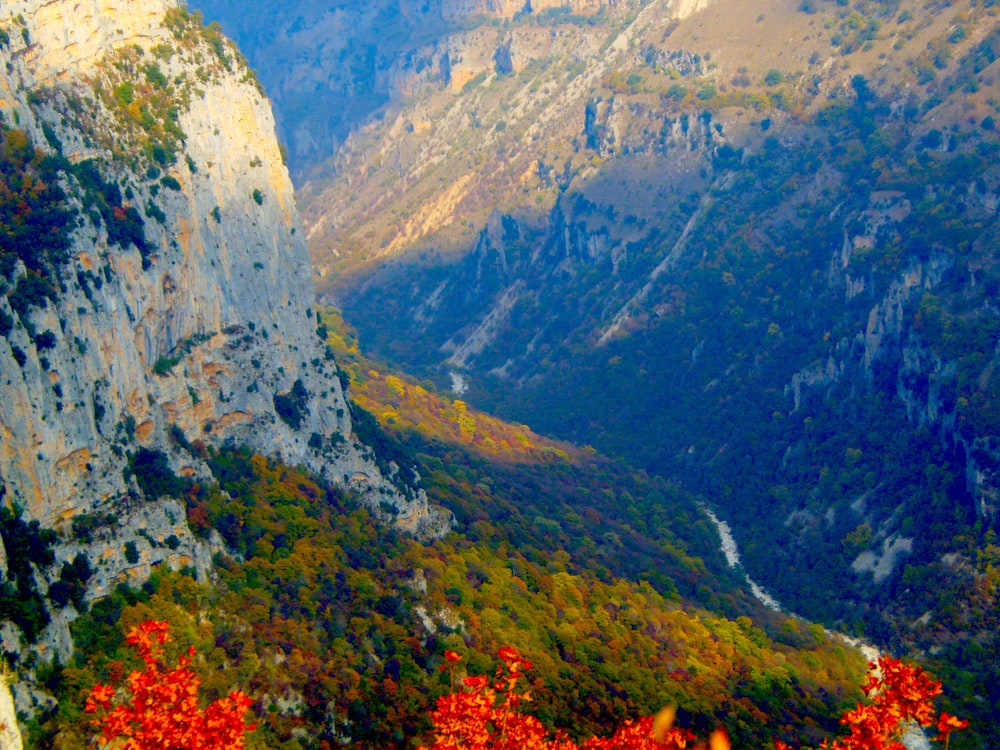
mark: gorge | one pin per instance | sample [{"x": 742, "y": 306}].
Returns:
[
  {"x": 762, "y": 277},
  {"x": 765, "y": 271}
]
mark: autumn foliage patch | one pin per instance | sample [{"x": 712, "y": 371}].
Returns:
[
  {"x": 158, "y": 708},
  {"x": 901, "y": 695},
  {"x": 487, "y": 715}
]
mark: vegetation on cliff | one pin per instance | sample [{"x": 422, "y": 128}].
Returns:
[
  {"x": 788, "y": 311},
  {"x": 607, "y": 577},
  {"x": 336, "y": 627}
]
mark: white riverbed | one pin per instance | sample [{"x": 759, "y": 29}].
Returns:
[{"x": 915, "y": 738}]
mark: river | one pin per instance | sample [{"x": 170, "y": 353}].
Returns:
[
  {"x": 732, "y": 554},
  {"x": 915, "y": 738}
]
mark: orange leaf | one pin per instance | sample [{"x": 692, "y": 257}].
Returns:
[
  {"x": 663, "y": 721},
  {"x": 719, "y": 740}
]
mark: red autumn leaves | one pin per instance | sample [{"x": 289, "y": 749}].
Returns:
[
  {"x": 158, "y": 709},
  {"x": 486, "y": 715},
  {"x": 901, "y": 694},
  {"x": 161, "y": 710}
]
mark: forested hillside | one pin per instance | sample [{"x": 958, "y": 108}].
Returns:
[
  {"x": 815, "y": 336},
  {"x": 759, "y": 278},
  {"x": 337, "y": 626}
]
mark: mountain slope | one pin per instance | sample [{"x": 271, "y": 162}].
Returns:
[
  {"x": 798, "y": 231},
  {"x": 594, "y": 570},
  {"x": 532, "y": 103}
]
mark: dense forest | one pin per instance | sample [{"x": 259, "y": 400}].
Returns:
[
  {"x": 772, "y": 298},
  {"x": 336, "y": 627}
]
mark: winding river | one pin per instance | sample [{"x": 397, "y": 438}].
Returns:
[
  {"x": 732, "y": 555},
  {"x": 915, "y": 738}
]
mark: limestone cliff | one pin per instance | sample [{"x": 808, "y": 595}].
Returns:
[
  {"x": 174, "y": 308},
  {"x": 10, "y": 733}
]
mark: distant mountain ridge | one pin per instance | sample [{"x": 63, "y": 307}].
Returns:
[{"x": 330, "y": 67}]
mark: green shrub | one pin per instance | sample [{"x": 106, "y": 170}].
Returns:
[
  {"x": 164, "y": 365},
  {"x": 155, "y": 76},
  {"x": 27, "y": 545},
  {"x": 72, "y": 584},
  {"x": 155, "y": 212},
  {"x": 31, "y": 291},
  {"x": 51, "y": 137},
  {"x": 85, "y": 524},
  {"x": 131, "y": 553},
  {"x": 293, "y": 407},
  {"x": 45, "y": 340},
  {"x": 153, "y": 474}
]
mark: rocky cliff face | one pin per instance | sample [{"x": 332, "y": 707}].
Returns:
[
  {"x": 174, "y": 310},
  {"x": 10, "y": 732},
  {"x": 530, "y": 98},
  {"x": 331, "y": 67}
]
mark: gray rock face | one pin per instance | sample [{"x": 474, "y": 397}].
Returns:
[
  {"x": 206, "y": 333},
  {"x": 331, "y": 65}
]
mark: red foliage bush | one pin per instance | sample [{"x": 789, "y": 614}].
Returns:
[
  {"x": 159, "y": 709},
  {"x": 901, "y": 693},
  {"x": 487, "y": 716}
]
